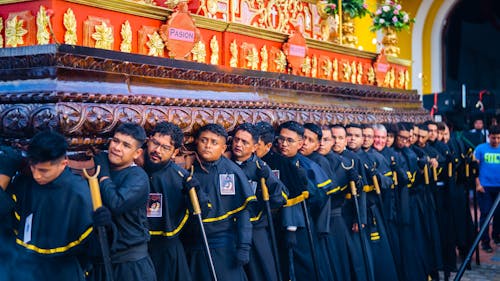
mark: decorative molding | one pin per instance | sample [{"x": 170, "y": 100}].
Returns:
[
  {"x": 128, "y": 7},
  {"x": 399, "y": 61},
  {"x": 256, "y": 32},
  {"x": 208, "y": 23},
  {"x": 336, "y": 48}
]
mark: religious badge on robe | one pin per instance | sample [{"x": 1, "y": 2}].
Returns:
[
  {"x": 226, "y": 184},
  {"x": 154, "y": 209}
]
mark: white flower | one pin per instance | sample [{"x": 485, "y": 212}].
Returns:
[
  {"x": 386, "y": 8},
  {"x": 381, "y": 21},
  {"x": 378, "y": 12},
  {"x": 406, "y": 18}
]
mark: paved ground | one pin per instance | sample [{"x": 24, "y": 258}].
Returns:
[{"x": 488, "y": 270}]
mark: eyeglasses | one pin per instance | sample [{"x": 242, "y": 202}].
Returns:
[
  {"x": 163, "y": 147},
  {"x": 403, "y": 138},
  {"x": 282, "y": 139}
]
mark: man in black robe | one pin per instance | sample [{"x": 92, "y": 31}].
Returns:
[
  {"x": 125, "y": 191},
  {"x": 243, "y": 146},
  {"x": 51, "y": 209},
  {"x": 168, "y": 204},
  {"x": 383, "y": 260},
  {"x": 227, "y": 221}
]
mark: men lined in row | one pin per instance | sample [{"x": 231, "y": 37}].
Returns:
[{"x": 394, "y": 224}]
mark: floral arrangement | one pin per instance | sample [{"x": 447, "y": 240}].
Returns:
[
  {"x": 355, "y": 8},
  {"x": 390, "y": 14}
]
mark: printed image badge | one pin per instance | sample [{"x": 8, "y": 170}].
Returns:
[
  {"x": 154, "y": 209},
  {"x": 276, "y": 173},
  {"x": 226, "y": 184}
]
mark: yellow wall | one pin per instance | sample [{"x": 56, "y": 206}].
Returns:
[
  {"x": 365, "y": 36},
  {"x": 426, "y": 46}
]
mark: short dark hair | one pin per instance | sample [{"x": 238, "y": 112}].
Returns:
[
  {"x": 134, "y": 130},
  {"x": 169, "y": 129},
  {"x": 250, "y": 128},
  {"x": 337, "y": 126},
  {"x": 214, "y": 128},
  {"x": 292, "y": 126},
  {"x": 47, "y": 146},
  {"x": 315, "y": 129},
  {"x": 441, "y": 126},
  {"x": 494, "y": 130},
  {"x": 265, "y": 131},
  {"x": 423, "y": 127},
  {"x": 354, "y": 125}
]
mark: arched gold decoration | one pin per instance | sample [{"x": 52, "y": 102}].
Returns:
[
  {"x": 199, "y": 52},
  {"x": 14, "y": 32},
  {"x": 264, "y": 58},
  {"x": 42, "y": 26},
  {"x": 214, "y": 48},
  {"x": 155, "y": 45},
  {"x": 233, "y": 61},
  {"x": 103, "y": 36},
  {"x": 69, "y": 22},
  {"x": 126, "y": 33}
]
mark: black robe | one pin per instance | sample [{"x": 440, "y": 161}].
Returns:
[
  {"x": 227, "y": 221},
  {"x": 169, "y": 211},
  {"x": 126, "y": 194},
  {"x": 262, "y": 265},
  {"x": 53, "y": 223}
]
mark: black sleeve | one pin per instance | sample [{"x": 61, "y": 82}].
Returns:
[{"x": 132, "y": 191}]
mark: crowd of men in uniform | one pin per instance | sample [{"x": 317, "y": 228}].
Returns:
[{"x": 296, "y": 202}]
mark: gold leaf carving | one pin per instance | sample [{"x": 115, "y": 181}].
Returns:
[
  {"x": 14, "y": 32},
  {"x": 327, "y": 68},
  {"x": 214, "y": 48},
  {"x": 314, "y": 70},
  {"x": 359, "y": 79},
  {"x": 306, "y": 66},
  {"x": 335, "y": 69},
  {"x": 126, "y": 33},
  {"x": 371, "y": 75},
  {"x": 252, "y": 59},
  {"x": 155, "y": 44},
  {"x": 42, "y": 25},
  {"x": 1, "y": 28},
  {"x": 103, "y": 36},
  {"x": 280, "y": 61},
  {"x": 199, "y": 52},
  {"x": 233, "y": 62},
  {"x": 407, "y": 79},
  {"x": 264, "y": 56},
  {"x": 69, "y": 22}
]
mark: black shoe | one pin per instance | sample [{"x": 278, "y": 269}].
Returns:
[{"x": 487, "y": 248}]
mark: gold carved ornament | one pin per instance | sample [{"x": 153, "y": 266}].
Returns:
[
  {"x": 347, "y": 71},
  {"x": 401, "y": 79},
  {"x": 359, "y": 78},
  {"x": 1, "y": 28},
  {"x": 393, "y": 78},
  {"x": 126, "y": 33},
  {"x": 314, "y": 68},
  {"x": 353, "y": 72},
  {"x": 69, "y": 21},
  {"x": 264, "y": 55},
  {"x": 155, "y": 45},
  {"x": 407, "y": 79},
  {"x": 103, "y": 36},
  {"x": 371, "y": 75},
  {"x": 199, "y": 52},
  {"x": 14, "y": 32},
  {"x": 279, "y": 15},
  {"x": 42, "y": 26},
  {"x": 306, "y": 66},
  {"x": 327, "y": 68},
  {"x": 280, "y": 61},
  {"x": 252, "y": 59},
  {"x": 214, "y": 48},
  {"x": 233, "y": 61},
  {"x": 335, "y": 69}
]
